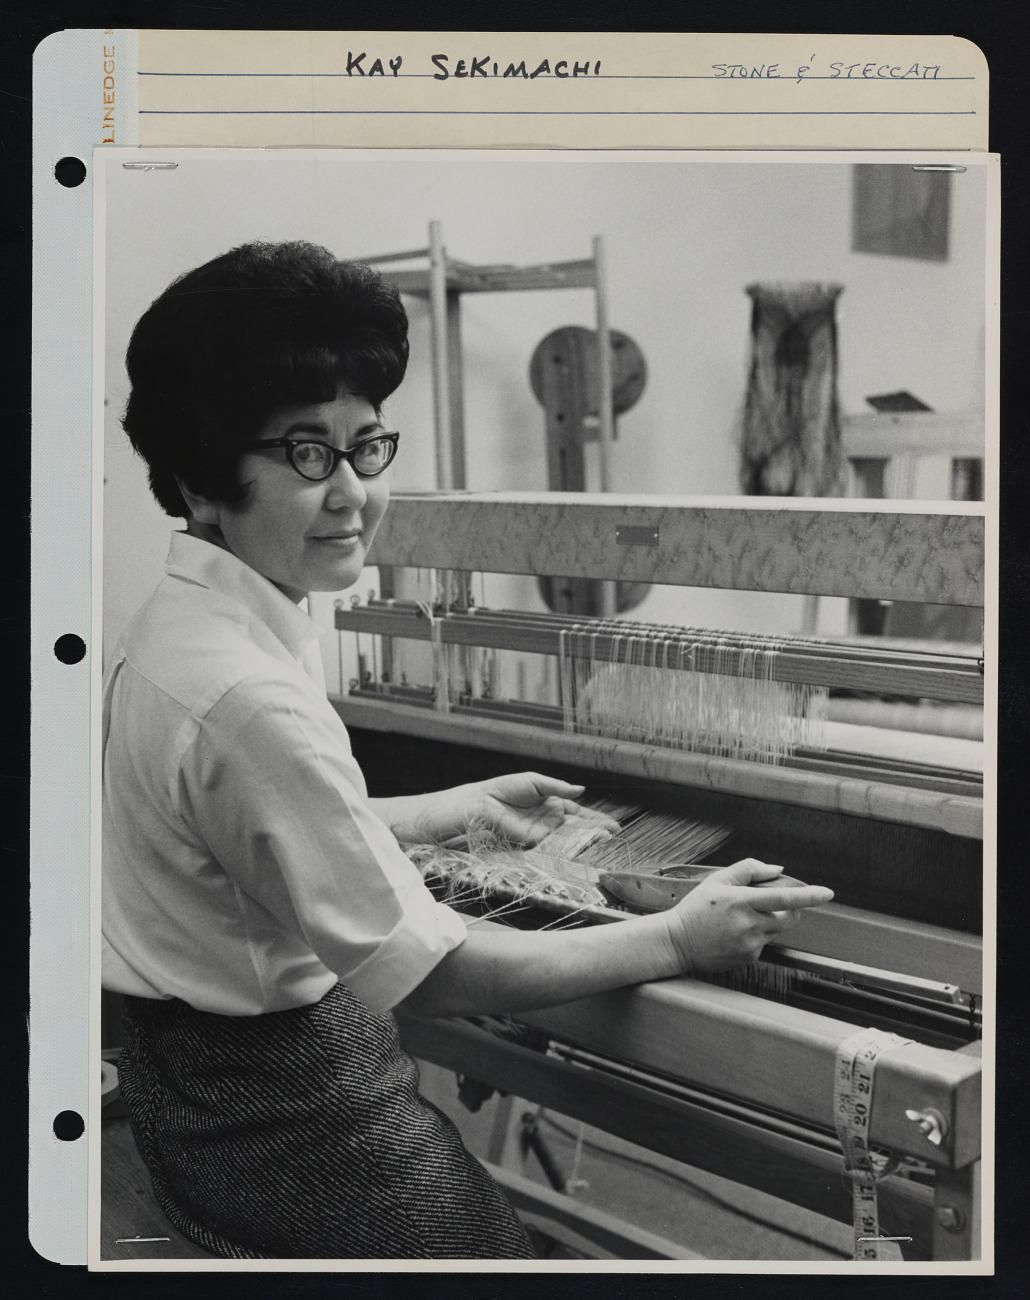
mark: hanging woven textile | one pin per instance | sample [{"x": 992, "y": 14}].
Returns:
[{"x": 791, "y": 443}]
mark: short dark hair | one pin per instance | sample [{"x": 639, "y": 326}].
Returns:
[{"x": 226, "y": 345}]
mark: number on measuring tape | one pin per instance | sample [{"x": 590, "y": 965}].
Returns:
[{"x": 852, "y": 1108}]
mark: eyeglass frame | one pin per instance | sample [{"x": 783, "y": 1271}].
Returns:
[{"x": 337, "y": 453}]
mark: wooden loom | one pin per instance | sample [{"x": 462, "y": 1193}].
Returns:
[{"x": 716, "y": 1077}]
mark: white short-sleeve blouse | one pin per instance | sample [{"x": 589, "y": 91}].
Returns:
[{"x": 244, "y": 870}]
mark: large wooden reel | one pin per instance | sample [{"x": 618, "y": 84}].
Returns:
[{"x": 563, "y": 374}]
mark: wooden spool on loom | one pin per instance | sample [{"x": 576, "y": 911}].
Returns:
[{"x": 564, "y": 376}]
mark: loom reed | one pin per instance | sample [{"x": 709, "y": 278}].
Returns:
[{"x": 736, "y": 695}]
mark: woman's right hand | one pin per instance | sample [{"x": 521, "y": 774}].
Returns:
[{"x": 728, "y": 920}]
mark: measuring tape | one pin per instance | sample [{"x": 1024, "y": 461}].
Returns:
[{"x": 852, "y": 1107}]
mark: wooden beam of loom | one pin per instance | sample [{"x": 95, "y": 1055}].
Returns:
[
  {"x": 956, "y": 814},
  {"x": 850, "y": 548},
  {"x": 778, "y": 1158},
  {"x": 877, "y": 939},
  {"x": 746, "y": 1047}
]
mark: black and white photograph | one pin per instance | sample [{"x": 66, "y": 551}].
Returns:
[{"x": 546, "y": 608}]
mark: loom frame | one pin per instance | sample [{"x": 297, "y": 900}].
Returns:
[
  {"x": 885, "y": 551},
  {"x": 898, "y": 551}
]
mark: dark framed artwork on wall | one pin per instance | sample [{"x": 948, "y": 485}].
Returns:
[{"x": 901, "y": 211}]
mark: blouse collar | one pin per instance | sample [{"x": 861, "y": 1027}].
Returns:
[{"x": 211, "y": 566}]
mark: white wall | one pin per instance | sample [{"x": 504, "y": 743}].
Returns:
[{"x": 683, "y": 239}]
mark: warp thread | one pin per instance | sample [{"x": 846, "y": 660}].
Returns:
[{"x": 647, "y": 693}]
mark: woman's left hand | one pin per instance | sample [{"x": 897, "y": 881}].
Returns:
[
  {"x": 522, "y": 807},
  {"x": 525, "y": 807}
]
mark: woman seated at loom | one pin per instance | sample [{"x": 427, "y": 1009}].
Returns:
[{"x": 259, "y": 914}]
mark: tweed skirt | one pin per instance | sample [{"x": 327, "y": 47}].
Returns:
[{"x": 301, "y": 1134}]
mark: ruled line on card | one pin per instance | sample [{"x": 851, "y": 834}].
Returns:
[{"x": 472, "y": 89}]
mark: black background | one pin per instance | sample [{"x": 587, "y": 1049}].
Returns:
[{"x": 999, "y": 29}]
